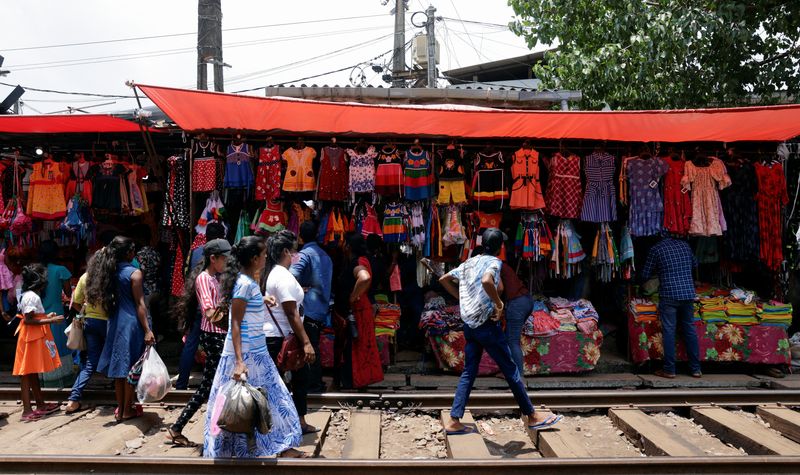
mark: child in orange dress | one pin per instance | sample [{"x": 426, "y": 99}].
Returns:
[{"x": 36, "y": 349}]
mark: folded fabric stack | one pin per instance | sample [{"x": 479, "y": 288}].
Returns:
[
  {"x": 438, "y": 318},
  {"x": 387, "y": 319},
  {"x": 775, "y": 313},
  {"x": 712, "y": 309},
  {"x": 541, "y": 324},
  {"x": 696, "y": 313},
  {"x": 568, "y": 322},
  {"x": 586, "y": 315},
  {"x": 643, "y": 310},
  {"x": 741, "y": 313}
]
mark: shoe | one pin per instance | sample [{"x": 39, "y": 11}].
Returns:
[
  {"x": 663, "y": 374},
  {"x": 697, "y": 375}
]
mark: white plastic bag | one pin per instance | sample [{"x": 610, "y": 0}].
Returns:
[{"x": 154, "y": 382}]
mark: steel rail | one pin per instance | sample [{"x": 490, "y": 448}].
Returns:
[{"x": 600, "y": 466}]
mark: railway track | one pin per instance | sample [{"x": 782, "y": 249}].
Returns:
[{"x": 641, "y": 431}]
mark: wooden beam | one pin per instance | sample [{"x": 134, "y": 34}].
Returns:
[
  {"x": 653, "y": 438},
  {"x": 782, "y": 419},
  {"x": 753, "y": 437},
  {"x": 363, "y": 435},
  {"x": 465, "y": 446},
  {"x": 312, "y": 443},
  {"x": 561, "y": 443}
]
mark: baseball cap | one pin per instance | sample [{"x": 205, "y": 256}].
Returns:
[
  {"x": 216, "y": 247},
  {"x": 492, "y": 240}
]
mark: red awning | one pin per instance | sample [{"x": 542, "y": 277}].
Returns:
[
  {"x": 196, "y": 111},
  {"x": 64, "y": 124}
]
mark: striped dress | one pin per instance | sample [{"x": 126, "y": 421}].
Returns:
[
  {"x": 599, "y": 200},
  {"x": 417, "y": 176},
  {"x": 394, "y": 225},
  {"x": 261, "y": 372}
]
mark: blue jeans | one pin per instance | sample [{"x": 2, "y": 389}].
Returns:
[
  {"x": 94, "y": 331},
  {"x": 489, "y": 337},
  {"x": 672, "y": 312},
  {"x": 187, "y": 355},
  {"x": 517, "y": 312}
]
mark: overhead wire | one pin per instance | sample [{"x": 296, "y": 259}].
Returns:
[{"x": 54, "y": 91}]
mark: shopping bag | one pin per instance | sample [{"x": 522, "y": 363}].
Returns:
[
  {"x": 154, "y": 382},
  {"x": 74, "y": 332},
  {"x": 239, "y": 410}
]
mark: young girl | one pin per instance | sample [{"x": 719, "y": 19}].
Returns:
[{"x": 36, "y": 350}]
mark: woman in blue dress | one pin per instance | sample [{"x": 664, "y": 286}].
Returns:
[
  {"x": 114, "y": 284},
  {"x": 57, "y": 283},
  {"x": 245, "y": 353}
]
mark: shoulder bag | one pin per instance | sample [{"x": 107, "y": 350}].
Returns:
[{"x": 291, "y": 357}]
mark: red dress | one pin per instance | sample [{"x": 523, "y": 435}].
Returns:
[
  {"x": 564, "y": 191},
  {"x": 677, "y": 205},
  {"x": 366, "y": 360},
  {"x": 333, "y": 175},
  {"x": 268, "y": 175},
  {"x": 771, "y": 197}
]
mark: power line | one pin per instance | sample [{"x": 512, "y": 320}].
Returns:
[
  {"x": 172, "y": 35},
  {"x": 472, "y": 21},
  {"x": 53, "y": 91}
]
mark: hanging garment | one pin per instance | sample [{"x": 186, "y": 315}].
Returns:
[
  {"x": 564, "y": 187},
  {"x": 176, "y": 200},
  {"x": 389, "y": 174},
  {"x": 272, "y": 220},
  {"x": 567, "y": 251},
  {"x": 605, "y": 258},
  {"x": 80, "y": 183},
  {"x": 298, "y": 213},
  {"x": 771, "y": 197},
  {"x": 268, "y": 173},
  {"x": 434, "y": 246},
  {"x": 212, "y": 212},
  {"x": 534, "y": 240},
  {"x": 299, "y": 170},
  {"x": 106, "y": 186},
  {"x": 417, "y": 175},
  {"x": 677, "y": 201},
  {"x": 626, "y": 254},
  {"x": 370, "y": 225},
  {"x": 178, "y": 287},
  {"x": 417, "y": 226},
  {"x": 526, "y": 191},
  {"x": 243, "y": 226},
  {"x": 362, "y": 170},
  {"x": 394, "y": 228},
  {"x": 238, "y": 169},
  {"x": 741, "y": 213},
  {"x": 46, "y": 193},
  {"x": 204, "y": 166},
  {"x": 705, "y": 183},
  {"x": 646, "y": 206},
  {"x": 451, "y": 177},
  {"x": 600, "y": 198},
  {"x": 624, "y": 194},
  {"x": 488, "y": 184},
  {"x": 332, "y": 175},
  {"x": 452, "y": 230},
  {"x": 137, "y": 200}
]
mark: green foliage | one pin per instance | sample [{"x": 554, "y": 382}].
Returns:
[{"x": 654, "y": 54}]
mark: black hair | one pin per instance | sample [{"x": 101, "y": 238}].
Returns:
[
  {"x": 374, "y": 243},
  {"x": 309, "y": 231},
  {"x": 48, "y": 252},
  {"x": 101, "y": 272},
  {"x": 478, "y": 250},
  {"x": 276, "y": 244},
  {"x": 357, "y": 245},
  {"x": 142, "y": 234},
  {"x": 185, "y": 310},
  {"x": 215, "y": 230},
  {"x": 34, "y": 278},
  {"x": 242, "y": 253}
]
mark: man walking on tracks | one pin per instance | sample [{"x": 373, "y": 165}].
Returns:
[
  {"x": 475, "y": 284},
  {"x": 672, "y": 261}
]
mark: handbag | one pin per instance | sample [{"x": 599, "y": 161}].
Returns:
[
  {"x": 219, "y": 318},
  {"x": 75, "y": 337},
  {"x": 291, "y": 357}
]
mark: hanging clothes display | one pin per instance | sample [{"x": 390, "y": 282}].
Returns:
[
  {"x": 605, "y": 258},
  {"x": 434, "y": 246},
  {"x": 332, "y": 175},
  {"x": 238, "y": 167},
  {"x": 677, "y": 200},
  {"x": 646, "y": 206},
  {"x": 564, "y": 188},
  {"x": 211, "y": 212},
  {"x": 80, "y": 182},
  {"x": 268, "y": 173},
  {"x": 389, "y": 174},
  {"x": 46, "y": 193},
  {"x": 394, "y": 228},
  {"x": 417, "y": 226},
  {"x": 337, "y": 225},
  {"x": 534, "y": 240},
  {"x": 526, "y": 191},
  {"x": 362, "y": 170},
  {"x": 272, "y": 220},
  {"x": 451, "y": 177},
  {"x": 705, "y": 183},
  {"x": 741, "y": 213},
  {"x": 299, "y": 170},
  {"x": 298, "y": 213},
  {"x": 452, "y": 230},
  {"x": 627, "y": 266},
  {"x": 624, "y": 194},
  {"x": 176, "y": 199},
  {"x": 488, "y": 183},
  {"x": 417, "y": 175},
  {"x": 600, "y": 198},
  {"x": 772, "y": 196},
  {"x": 567, "y": 251},
  {"x": 369, "y": 222},
  {"x": 243, "y": 226},
  {"x": 106, "y": 186},
  {"x": 133, "y": 191},
  {"x": 204, "y": 165}
]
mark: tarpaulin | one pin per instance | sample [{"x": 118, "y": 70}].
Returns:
[
  {"x": 196, "y": 111},
  {"x": 64, "y": 124}
]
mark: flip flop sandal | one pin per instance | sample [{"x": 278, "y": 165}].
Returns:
[
  {"x": 50, "y": 408},
  {"x": 178, "y": 440},
  {"x": 309, "y": 429},
  {"x": 80, "y": 408},
  {"x": 464, "y": 431},
  {"x": 549, "y": 422},
  {"x": 33, "y": 416}
]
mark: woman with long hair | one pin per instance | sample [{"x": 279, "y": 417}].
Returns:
[
  {"x": 58, "y": 283},
  {"x": 352, "y": 299},
  {"x": 245, "y": 355},
  {"x": 114, "y": 284},
  {"x": 289, "y": 295}
]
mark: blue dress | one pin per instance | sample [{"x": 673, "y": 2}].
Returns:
[
  {"x": 125, "y": 339},
  {"x": 261, "y": 372},
  {"x": 56, "y": 276}
]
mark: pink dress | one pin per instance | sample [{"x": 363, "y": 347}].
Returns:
[
  {"x": 6, "y": 277},
  {"x": 705, "y": 183}
]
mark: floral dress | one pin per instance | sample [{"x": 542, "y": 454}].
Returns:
[
  {"x": 362, "y": 170},
  {"x": 646, "y": 205},
  {"x": 705, "y": 182}
]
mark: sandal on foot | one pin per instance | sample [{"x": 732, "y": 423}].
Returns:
[
  {"x": 466, "y": 430},
  {"x": 49, "y": 408},
  {"x": 32, "y": 416},
  {"x": 549, "y": 422},
  {"x": 176, "y": 439},
  {"x": 80, "y": 408},
  {"x": 309, "y": 429}
]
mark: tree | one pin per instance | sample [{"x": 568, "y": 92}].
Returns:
[{"x": 654, "y": 54}]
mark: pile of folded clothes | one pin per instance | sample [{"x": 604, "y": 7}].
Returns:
[
  {"x": 387, "y": 317},
  {"x": 558, "y": 314},
  {"x": 775, "y": 313},
  {"x": 713, "y": 309},
  {"x": 438, "y": 318},
  {"x": 741, "y": 313},
  {"x": 643, "y": 310}
]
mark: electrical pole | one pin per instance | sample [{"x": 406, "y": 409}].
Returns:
[
  {"x": 209, "y": 43},
  {"x": 431, "y": 46},
  {"x": 399, "y": 58}
]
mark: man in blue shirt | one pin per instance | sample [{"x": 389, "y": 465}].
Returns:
[
  {"x": 314, "y": 271},
  {"x": 672, "y": 261}
]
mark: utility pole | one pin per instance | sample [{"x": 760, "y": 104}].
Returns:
[
  {"x": 209, "y": 43},
  {"x": 431, "y": 46},
  {"x": 399, "y": 57}
]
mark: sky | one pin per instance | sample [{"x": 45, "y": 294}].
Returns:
[{"x": 471, "y": 32}]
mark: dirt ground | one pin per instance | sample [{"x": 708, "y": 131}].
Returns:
[
  {"x": 506, "y": 437},
  {"x": 599, "y": 435},
  {"x": 415, "y": 435},
  {"x": 696, "y": 434},
  {"x": 336, "y": 435}
]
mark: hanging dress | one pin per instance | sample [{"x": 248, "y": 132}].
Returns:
[
  {"x": 489, "y": 191},
  {"x": 268, "y": 173},
  {"x": 176, "y": 200},
  {"x": 394, "y": 228},
  {"x": 451, "y": 177},
  {"x": 271, "y": 220},
  {"x": 740, "y": 206},
  {"x": 46, "y": 193},
  {"x": 526, "y": 191},
  {"x": 332, "y": 175},
  {"x": 771, "y": 197},
  {"x": 705, "y": 183},
  {"x": 564, "y": 187},
  {"x": 600, "y": 198},
  {"x": 389, "y": 174},
  {"x": 677, "y": 203},
  {"x": 299, "y": 170},
  {"x": 204, "y": 166},
  {"x": 646, "y": 205},
  {"x": 417, "y": 175},
  {"x": 362, "y": 170},
  {"x": 238, "y": 169},
  {"x": 79, "y": 183}
]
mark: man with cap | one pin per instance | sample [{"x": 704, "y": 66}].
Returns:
[{"x": 475, "y": 284}]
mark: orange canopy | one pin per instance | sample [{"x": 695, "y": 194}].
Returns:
[
  {"x": 196, "y": 111},
  {"x": 64, "y": 124}
]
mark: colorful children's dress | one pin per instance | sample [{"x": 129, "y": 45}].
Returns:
[
  {"x": 299, "y": 169},
  {"x": 417, "y": 177},
  {"x": 362, "y": 170},
  {"x": 646, "y": 206},
  {"x": 600, "y": 199},
  {"x": 389, "y": 174},
  {"x": 564, "y": 188},
  {"x": 526, "y": 191},
  {"x": 705, "y": 183},
  {"x": 332, "y": 175},
  {"x": 268, "y": 174},
  {"x": 36, "y": 350}
]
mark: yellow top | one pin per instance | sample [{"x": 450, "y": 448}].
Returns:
[{"x": 79, "y": 297}]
